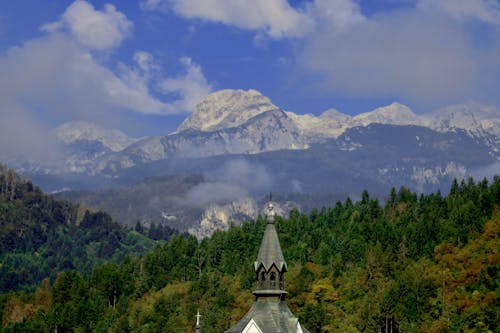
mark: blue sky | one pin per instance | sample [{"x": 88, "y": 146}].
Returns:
[{"x": 141, "y": 66}]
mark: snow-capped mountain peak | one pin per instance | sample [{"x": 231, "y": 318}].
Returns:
[
  {"x": 333, "y": 114},
  {"x": 225, "y": 109},
  {"x": 330, "y": 124},
  {"x": 71, "y": 132},
  {"x": 472, "y": 117},
  {"x": 393, "y": 114}
]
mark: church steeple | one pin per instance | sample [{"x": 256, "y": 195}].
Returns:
[
  {"x": 269, "y": 313},
  {"x": 270, "y": 266}
]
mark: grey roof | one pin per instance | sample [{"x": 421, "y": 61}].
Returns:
[
  {"x": 270, "y": 250},
  {"x": 271, "y": 317},
  {"x": 269, "y": 312}
]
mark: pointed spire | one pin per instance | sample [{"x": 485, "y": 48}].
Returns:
[
  {"x": 270, "y": 249},
  {"x": 270, "y": 210}
]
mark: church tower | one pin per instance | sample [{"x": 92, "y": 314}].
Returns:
[{"x": 269, "y": 313}]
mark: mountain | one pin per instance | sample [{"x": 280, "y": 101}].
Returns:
[
  {"x": 40, "y": 235},
  {"x": 480, "y": 121},
  {"x": 79, "y": 131},
  {"x": 227, "y": 109},
  {"x": 393, "y": 114},
  {"x": 238, "y": 146},
  {"x": 216, "y": 129},
  {"x": 231, "y": 188},
  {"x": 246, "y": 122},
  {"x": 85, "y": 143},
  {"x": 154, "y": 200},
  {"x": 332, "y": 123},
  {"x": 472, "y": 117}
]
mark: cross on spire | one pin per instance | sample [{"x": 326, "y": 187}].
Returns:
[{"x": 198, "y": 316}]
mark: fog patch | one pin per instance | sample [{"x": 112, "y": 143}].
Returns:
[
  {"x": 297, "y": 186},
  {"x": 251, "y": 176},
  {"x": 234, "y": 180},
  {"x": 214, "y": 192},
  {"x": 23, "y": 138},
  {"x": 487, "y": 172}
]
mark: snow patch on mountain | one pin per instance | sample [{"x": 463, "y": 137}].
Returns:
[
  {"x": 472, "y": 117},
  {"x": 330, "y": 124},
  {"x": 72, "y": 132},
  {"x": 425, "y": 175},
  {"x": 227, "y": 109},
  {"x": 393, "y": 114}
]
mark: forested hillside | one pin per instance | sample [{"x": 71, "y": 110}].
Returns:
[
  {"x": 40, "y": 236},
  {"x": 418, "y": 263}
]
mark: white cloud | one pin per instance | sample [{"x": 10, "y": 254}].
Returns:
[
  {"x": 274, "y": 17},
  {"x": 58, "y": 76},
  {"x": 424, "y": 56},
  {"x": 234, "y": 180},
  {"x": 100, "y": 30},
  {"x": 484, "y": 10},
  {"x": 424, "y": 52},
  {"x": 409, "y": 54},
  {"x": 54, "y": 77},
  {"x": 337, "y": 14},
  {"x": 191, "y": 87},
  {"x": 145, "y": 61}
]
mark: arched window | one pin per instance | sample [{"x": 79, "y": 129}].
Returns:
[
  {"x": 261, "y": 279},
  {"x": 273, "y": 279}
]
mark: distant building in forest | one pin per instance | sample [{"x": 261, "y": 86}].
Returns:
[{"x": 269, "y": 313}]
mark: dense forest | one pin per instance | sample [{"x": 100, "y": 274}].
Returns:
[
  {"x": 417, "y": 263},
  {"x": 40, "y": 236}
]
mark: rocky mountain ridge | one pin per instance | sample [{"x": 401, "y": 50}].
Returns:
[
  {"x": 243, "y": 146},
  {"x": 226, "y": 109},
  {"x": 73, "y": 132},
  {"x": 246, "y": 122}
]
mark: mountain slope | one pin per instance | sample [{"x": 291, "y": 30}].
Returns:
[
  {"x": 267, "y": 131},
  {"x": 226, "y": 109},
  {"x": 40, "y": 235},
  {"x": 375, "y": 158},
  {"x": 233, "y": 122},
  {"x": 73, "y": 132}
]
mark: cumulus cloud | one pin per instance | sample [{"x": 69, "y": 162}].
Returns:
[
  {"x": 336, "y": 14},
  {"x": 274, "y": 17},
  {"x": 59, "y": 76},
  {"x": 190, "y": 87},
  {"x": 484, "y": 10},
  {"x": 54, "y": 74},
  {"x": 145, "y": 61},
  {"x": 100, "y": 30},
  {"x": 418, "y": 57},
  {"x": 425, "y": 54}
]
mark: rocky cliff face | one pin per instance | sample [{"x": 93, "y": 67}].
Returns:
[
  {"x": 246, "y": 122},
  {"x": 226, "y": 109},
  {"x": 109, "y": 139},
  {"x": 221, "y": 216}
]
